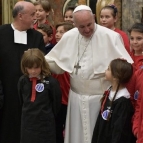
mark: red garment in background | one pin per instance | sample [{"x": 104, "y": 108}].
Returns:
[
  {"x": 138, "y": 60},
  {"x": 138, "y": 117},
  {"x": 125, "y": 39},
  {"x": 64, "y": 80},
  {"x": 136, "y": 79},
  {"x": 54, "y": 31},
  {"x": 131, "y": 88}
]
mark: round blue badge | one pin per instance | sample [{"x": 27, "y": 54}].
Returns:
[
  {"x": 136, "y": 95},
  {"x": 105, "y": 114},
  {"x": 39, "y": 87}
]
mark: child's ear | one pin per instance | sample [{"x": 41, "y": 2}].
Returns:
[
  {"x": 51, "y": 37},
  {"x": 115, "y": 19},
  {"x": 47, "y": 14},
  {"x": 115, "y": 79}
]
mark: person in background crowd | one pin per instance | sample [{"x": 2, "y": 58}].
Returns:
[
  {"x": 138, "y": 115},
  {"x": 68, "y": 14},
  {"x": 43, "y": 9},
  {"x": 47, "y": 32},
  {"x": 136, "y": 44},
  {"x": 61, "y": 28},
  {"x": 108, "y": 18}
]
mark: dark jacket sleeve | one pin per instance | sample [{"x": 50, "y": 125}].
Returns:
[
  {"x": 56, "y": 95},
  {"x": 20, "y": 91},
  {"x": 1, "y": 95},
  {"x": 42, "y": 45},
  {"x": 35, "y": 40}
]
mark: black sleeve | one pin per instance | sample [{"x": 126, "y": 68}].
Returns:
[
  {"x": 1, "y": 95},
  {"x": 20, "y": 91},
  {"x": 42, "y": 45},
  {"x": 121, "y": 121},
  {"x": 56, "y": 95}
]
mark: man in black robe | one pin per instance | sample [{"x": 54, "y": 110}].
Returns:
[{"x": 15, "y": 38}]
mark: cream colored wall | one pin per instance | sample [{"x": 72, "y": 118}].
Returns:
[{"x": 7, "y": 6}]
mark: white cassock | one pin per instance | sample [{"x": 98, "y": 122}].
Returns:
[{"x": 88, "y": 85}]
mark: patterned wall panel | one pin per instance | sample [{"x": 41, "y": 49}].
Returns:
[{"x": 131, "y": 13}]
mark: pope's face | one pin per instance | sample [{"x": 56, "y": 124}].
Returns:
[{"x": 84, "y": 21}]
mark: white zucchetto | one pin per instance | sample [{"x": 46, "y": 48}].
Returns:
[{"x": 82, "y": 7}]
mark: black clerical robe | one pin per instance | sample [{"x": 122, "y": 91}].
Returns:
[
  {"x": 10, "y": 72},
  {"x": 119, "y": 128},
  {"x": 38, "y": 117}
]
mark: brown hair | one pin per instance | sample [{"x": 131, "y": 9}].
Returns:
[
  {"x": 121, "y": 69},
  {"x": 70, "y": 8},
  {"x": 46, "y": 28},
  {"x": 44, "y": 3},
  {"x": 113, "y": 8},
  {"x": 138, "y": 27},
  {"x": 34, "y": 57},
  {"x": 67, "y": 26}
]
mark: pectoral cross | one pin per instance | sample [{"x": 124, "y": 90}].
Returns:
[{"x": 77, "y": 66}]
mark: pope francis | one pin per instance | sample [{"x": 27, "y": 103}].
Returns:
[{"x": 85, "y": 52}]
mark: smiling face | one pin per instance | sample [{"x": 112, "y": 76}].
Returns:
[
  {"x": 27, "y": 16},
  {"x": 68, "y": 17},
  {"x": 41, "y": 14},
  {"x": 84, "y": 21},
  {"x": 107, "y": 19},
  {"x": 59, "y": 33},
  {"x": 136, "y": 42}
]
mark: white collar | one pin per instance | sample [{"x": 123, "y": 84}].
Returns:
[
  {"x": 121, "y": 93},
  {"x": 47, "y": 44},
  {"x": 20, "y": 37}
]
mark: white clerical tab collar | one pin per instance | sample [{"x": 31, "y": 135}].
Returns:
[
  {"x": 20, "y": 37},
  {"x": 82, "y": 7}
]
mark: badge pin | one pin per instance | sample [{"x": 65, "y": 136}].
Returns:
[
  {"x": 136, "y": 95},
  {"x": 105, "y": 114},
  {"x": 46, "y": 81},
  {"x": 141, "y": 67},
  {"x": 39, "y": 87}
]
